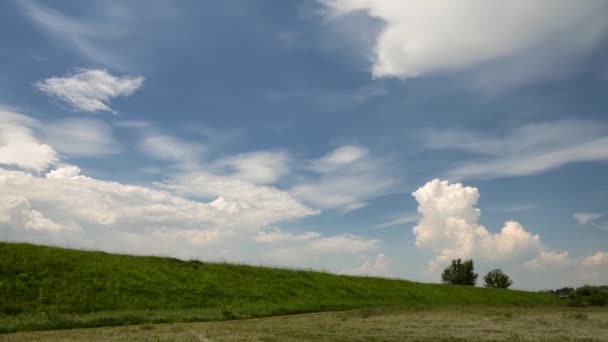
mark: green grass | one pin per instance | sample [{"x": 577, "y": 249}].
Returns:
[
  {"x": 419, "y": 323},
  {"x": 52, "y": 288}
]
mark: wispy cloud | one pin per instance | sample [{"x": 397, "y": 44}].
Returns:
[
  {"x": 331, "y": 100},
  {"x": 84, "y": 35},
  {"x": 90, "y": 90},
  {"x": 584, "y": 217},
  {"x": 527, "y": 150},
  {"x": 347, "y": 178},
  {"x": 81, "y": 137},
  {"x": 398, "y": 221}
]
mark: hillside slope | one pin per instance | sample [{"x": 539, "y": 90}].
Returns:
[{"x": 39, "y": 279}]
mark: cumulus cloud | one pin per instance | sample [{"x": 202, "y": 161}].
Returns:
[
  {"x": 90, "y": 90},
  {"x": 597, "y": 259},
  {"x": 530, "y": 149},
  {"x": 448, "y": 226},
  {"x": 191, "y": 209},
  {"x": 16, "y": 211},
  {"x": 547, "y": 259},
  {"x": 128, "y": 218},
  {"x": 583, "y": 217},
  {"x": 378, "y": 267},
  {"x": 347, "y": 178},
  {"x": 19, "y": 146},
  {"x": 421, "y": 37}
]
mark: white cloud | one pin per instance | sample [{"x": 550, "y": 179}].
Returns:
[
  {"x": 293, "y": 249},
  {"x": 339, "y": 158},
  {"x": 18, "y": 145},
  {"x": 192, "y": 214},
  {"x": 597, "y": 259},
  {"x": 65, "y": 172},
  {"x": 583, "y": 218},
  {"x": 81, "y": 137},
  {"x": 421, "y": 37},
  {"x": 104, "y": 33},
  {"x": 90, "y": 90},
  {"x": 265, "y": 204},
  {"x": 548, "y": 259},
  {"x": 398, "y": 221},
  {"x": 530, "y": 149},
  {"x": 343, "y": 243},
  {"x": 260, "y": 167},
  {"x": 449, "y": 227},
  {"x": 378, "y": 267},
  {"x": 277, "y": 235},
  {"x": 16, "y": 211},
  {"x": 133, "y": 219},
  {"x": 347, "y": 178},
  {"x": 163, "y": 147}
]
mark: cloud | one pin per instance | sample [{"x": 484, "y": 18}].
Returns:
[
  {"x": 398, "y": 221},
  {"x": 108, "y": 33},
  {"x": 421, "y": 37},
  {"x": 295, "y": 248},
  {"x": 18, "y": 145},
  {"x": 175, "y": 217},
  {"x": 339, "y": 158},
  {"x": 16, "y": 211},
  {"x": 129, "y": 218},
  {"x": 164, "y": 147},
  {"x": 527, "y": 150},
  {"x": 347, "y": 178},
  {"x": 583, "y": 218},
  {"x": 260, "y": 167},
  {"x": 378, "y": 267},
  {"x": 448, "y": 229},
  {"x": 448, "y": 226},
  {"x": 280, "y": 236},
  {"x": 81, "y": 137},
  {"x": 330, "y": 100},
  {"x": 90, "y": 90},
  {"x": 597, "y": 259},
  {"x": 548, "y": 259}
]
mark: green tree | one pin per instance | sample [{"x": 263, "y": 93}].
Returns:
[
  {"x": 460, "y": 273},
  {"x": 497, "y": 278}
]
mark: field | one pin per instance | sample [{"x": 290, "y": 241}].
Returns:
[
  {"x": 45, "y": 288},
  {"x": 450, "y": 323}
]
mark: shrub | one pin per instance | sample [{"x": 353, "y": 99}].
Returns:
[{"x": 496, "y": 278}]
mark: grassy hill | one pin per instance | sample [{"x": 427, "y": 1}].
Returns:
[{"x": 46, "y": 287}]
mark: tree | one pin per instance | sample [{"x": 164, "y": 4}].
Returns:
[
  {"x": 460, "y": 273},
  {"x": 497, "y": 278}
]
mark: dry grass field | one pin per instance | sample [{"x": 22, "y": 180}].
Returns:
[{"x": 438, "y": 323}]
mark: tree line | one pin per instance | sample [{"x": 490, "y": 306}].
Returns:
[{"x": 463, "y": 273}]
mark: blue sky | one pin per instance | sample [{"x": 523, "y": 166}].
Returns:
[{"x": 295, "y": 133}]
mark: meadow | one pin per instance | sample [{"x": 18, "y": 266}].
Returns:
[
  {"x": 45, "y": 288},
  {"x": 419, "y": 323}
]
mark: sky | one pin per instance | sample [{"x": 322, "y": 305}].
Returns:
[{"x": 380, "y": 138}]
